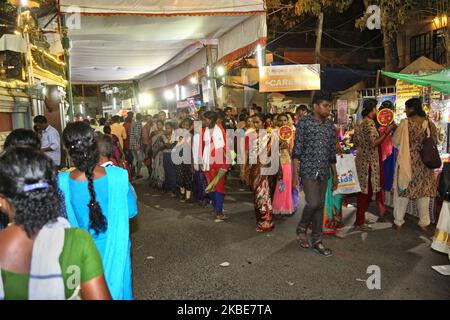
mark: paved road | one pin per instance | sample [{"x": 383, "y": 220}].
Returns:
[{"x": 177, "y": 251}]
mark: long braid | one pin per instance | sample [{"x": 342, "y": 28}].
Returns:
[
  {"x": 79, "y": 141},
  {"x": 97, "y": 220}
]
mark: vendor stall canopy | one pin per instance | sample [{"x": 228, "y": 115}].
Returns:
[
  {"x": 439, "y": 81},
  {"x": 116, "y": 40}
]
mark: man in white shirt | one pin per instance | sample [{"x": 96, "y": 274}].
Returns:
[{"x": 50, "y": 140}]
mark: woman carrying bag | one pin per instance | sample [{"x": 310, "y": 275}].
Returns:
[{"x": 413, "y": 180}]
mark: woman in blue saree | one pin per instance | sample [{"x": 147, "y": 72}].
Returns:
[{"x": 101, "y": 201}]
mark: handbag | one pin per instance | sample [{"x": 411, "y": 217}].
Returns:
[
  {"x": 444, "y": 182},
  {"x": 430, "y": 153},
  {"x": 348, "y": 181}
]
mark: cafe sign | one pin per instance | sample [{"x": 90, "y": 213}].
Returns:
[{"x": 297, "y": 77}]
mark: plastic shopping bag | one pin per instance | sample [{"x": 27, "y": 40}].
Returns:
[{"x": 347, "y": 176}]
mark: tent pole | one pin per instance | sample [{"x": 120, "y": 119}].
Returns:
[
  {"x": 66, "y": 47},
  {"x": 377, "y": 85},
  {"x": 210, "y": 61}
]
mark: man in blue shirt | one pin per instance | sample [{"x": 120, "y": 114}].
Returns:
[
  {"x": 314, "y": 155},
  {"x": 50, "y": 139}
]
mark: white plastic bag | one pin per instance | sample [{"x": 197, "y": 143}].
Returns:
[{"x": 347, "y": 176}]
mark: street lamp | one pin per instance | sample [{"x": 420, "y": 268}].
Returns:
[
  {"x": 193, "y": 80},
  {"x": 440, "y": 22},
  {"x": 177, "y": 92},
  {"x": 168, "y": 95},
  {"x": 145, "y": 99},
  {"x": 220, "y": 71},
  {"x": 259, "y": 55}
]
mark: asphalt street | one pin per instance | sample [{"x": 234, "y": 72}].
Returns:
[{"x": 178, "y": 249}]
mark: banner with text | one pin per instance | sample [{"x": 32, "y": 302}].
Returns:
[{"x": 296, "y": 77}]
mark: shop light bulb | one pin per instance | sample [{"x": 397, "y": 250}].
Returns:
[
  {"x": 220, "y": 71},
  {"x": 259, "y": 55},
  {"x": 168, "y": 95},
  {"x": 177, "y": 92},
  {"x": 145, "y": 99}
]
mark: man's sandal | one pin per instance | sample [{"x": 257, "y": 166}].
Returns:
[
  {"x": 303, "y": 240},
  {"x": 322, "y": 250}
]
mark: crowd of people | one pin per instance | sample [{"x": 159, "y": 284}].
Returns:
[{"x": 83, "y": 209}]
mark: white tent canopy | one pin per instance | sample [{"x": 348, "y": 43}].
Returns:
[
  {"x": 166, "y": 7},
  {"x": 124, "y": 40}
]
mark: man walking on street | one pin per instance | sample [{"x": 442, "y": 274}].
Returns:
[
  {"x": 118, "y": 130},
  {"x": 136, "y": 145},
  {"x": 314, "y": 154},
  {"x": 147, "y": 129},
  {"x": 126, "y": 142}
]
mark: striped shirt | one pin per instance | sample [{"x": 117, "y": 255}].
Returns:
[{"x": 136, "y": 135}]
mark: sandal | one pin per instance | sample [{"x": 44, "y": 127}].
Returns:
[
  {"x": 340, "y": 235},
  {"x": 264, "y": 229},
  {"x": 221, "y": 217},
  {"x": 322, "y": 250},
  {"x": 303, "y": 239}
]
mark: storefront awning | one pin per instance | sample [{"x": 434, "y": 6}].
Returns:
[
  {"x": 115, "y": 40},
  {"x": 439, "y": 81}
]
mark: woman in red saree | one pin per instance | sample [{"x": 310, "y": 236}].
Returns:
[{"x": 214, "y": 162}]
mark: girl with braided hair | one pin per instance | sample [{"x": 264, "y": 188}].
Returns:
[{"x": 102, "y": 201}]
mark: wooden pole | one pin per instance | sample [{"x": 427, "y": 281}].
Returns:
[
  {"x": 319, "y": 38},
  {"x": 212, "y": 78},
  {"x": 99, "y": 102},
  {"x": 66, "y": 45},
  {"x": 377, "y": 85},
  {"x": 319, "y": 32}
]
